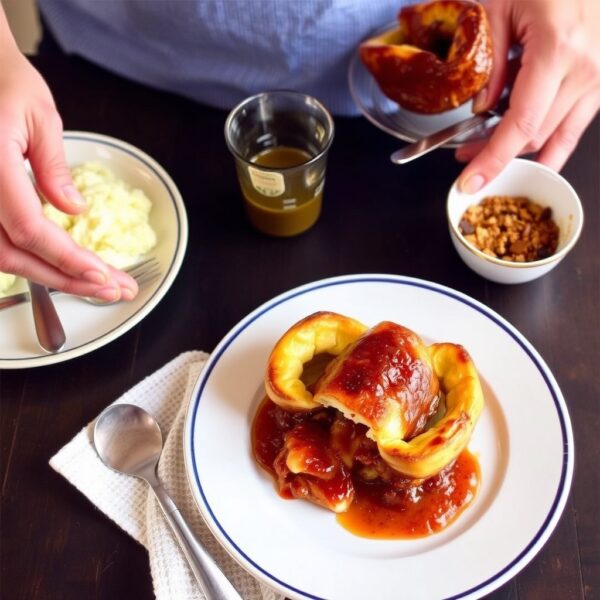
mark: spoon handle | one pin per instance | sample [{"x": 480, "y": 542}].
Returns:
[
  {"x": 48, "y": 327},
  {"x": 213, "y": 582}
]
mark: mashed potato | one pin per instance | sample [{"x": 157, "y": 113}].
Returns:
[
  {"x": 115, "y": 224},
  {"x": 6, "y": 282}
]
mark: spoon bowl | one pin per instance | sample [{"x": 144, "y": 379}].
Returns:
[{"x": 129, "y": 440}]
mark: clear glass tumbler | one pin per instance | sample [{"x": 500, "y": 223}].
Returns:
[{"x": 280, "y": 141}]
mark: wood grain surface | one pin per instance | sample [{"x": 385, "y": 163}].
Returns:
[{"x": 377, "y": 217}]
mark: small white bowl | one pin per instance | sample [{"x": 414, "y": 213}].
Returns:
[{"x": 519, "y": 178}]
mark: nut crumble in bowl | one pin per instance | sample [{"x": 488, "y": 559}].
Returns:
[{"x": 517, "y": 227}]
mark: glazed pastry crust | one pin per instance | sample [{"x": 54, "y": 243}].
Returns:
[
  {"x": 319, "y": 333},
  {"x": 387, "y": 379},
  {"x": 428, "y": 453},
  {"x": 438, "y": 57}
]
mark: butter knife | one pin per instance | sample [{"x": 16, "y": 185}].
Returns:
[
  {"x": 48, "y": 327},
  {"x": 439, "y": 138}
]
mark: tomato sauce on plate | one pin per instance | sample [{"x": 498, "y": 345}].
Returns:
[{"x": 335, "y": 465}]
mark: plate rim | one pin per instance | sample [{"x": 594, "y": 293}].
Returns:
[
  {"x": 519, "y": 562},
  {"x": 169, "y": 276}
]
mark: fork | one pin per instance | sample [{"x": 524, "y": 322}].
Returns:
[{"x": 145, "y": 272}]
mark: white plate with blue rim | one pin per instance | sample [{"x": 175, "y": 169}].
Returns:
[
  {"x": 88, "y": 327},
  {"x": 523, "y": 440}
]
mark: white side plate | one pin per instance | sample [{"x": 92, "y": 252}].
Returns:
[{"x": 89, "y": 327}]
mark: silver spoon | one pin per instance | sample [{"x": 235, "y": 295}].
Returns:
[{"x": 128, "y": 440}]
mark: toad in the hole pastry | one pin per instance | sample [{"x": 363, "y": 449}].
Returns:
[
  {"x": 319, "y": 333},
  {"x": 386, "y": 379},
  {"x": 438, "y": 57},
  {"x": 383, "y": 380}
]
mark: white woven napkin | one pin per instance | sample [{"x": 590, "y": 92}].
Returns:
[{"x": 130, "y": 503}]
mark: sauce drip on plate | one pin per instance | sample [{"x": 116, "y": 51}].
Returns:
[{"x": 334, "y": 464}]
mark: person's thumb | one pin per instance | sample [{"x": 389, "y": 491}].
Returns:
[{"x": 52, "y": 175}]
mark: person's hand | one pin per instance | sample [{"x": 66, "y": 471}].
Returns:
[
  {"x": 556, "y": 93},
  {"x": 31, "y": 245}
]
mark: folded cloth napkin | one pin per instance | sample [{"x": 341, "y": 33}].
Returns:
[{"x": 130, "y": 503}]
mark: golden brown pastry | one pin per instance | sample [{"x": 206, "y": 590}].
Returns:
[
  {"x": 383, "y": 380},
  {"x": 386, "y": 379},
  {"x": 429, "y": 452},
  {"x": 439, "y": 57},
  {"x": 319, "y": 333}
]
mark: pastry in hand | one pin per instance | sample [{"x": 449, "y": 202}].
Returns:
[{"x": 438, "y": 57}]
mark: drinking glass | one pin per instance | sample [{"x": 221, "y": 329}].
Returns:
[{"x": 280, "y": 141}]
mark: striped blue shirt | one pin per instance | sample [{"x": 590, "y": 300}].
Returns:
[{"x": 220, "y": 51}]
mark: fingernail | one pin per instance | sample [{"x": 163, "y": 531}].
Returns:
[
  {"x": 97, "y": 277},
  {"x": 108, "y": 294},
  {"x": 479, "y": 102},
  {"x": 472, "y": 184},
  {"x": 127, "y": 294},
  {"x": 73, "y": 196}
]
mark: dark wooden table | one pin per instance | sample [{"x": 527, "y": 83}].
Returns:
[{"x": 377, "y": 218}]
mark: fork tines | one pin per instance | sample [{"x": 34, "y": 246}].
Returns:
[{"x": 145, "y": 271}]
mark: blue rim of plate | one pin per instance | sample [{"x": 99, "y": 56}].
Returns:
[
  {"x": 558, "y": 503},
  {"x": 166, "y": 280}
]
